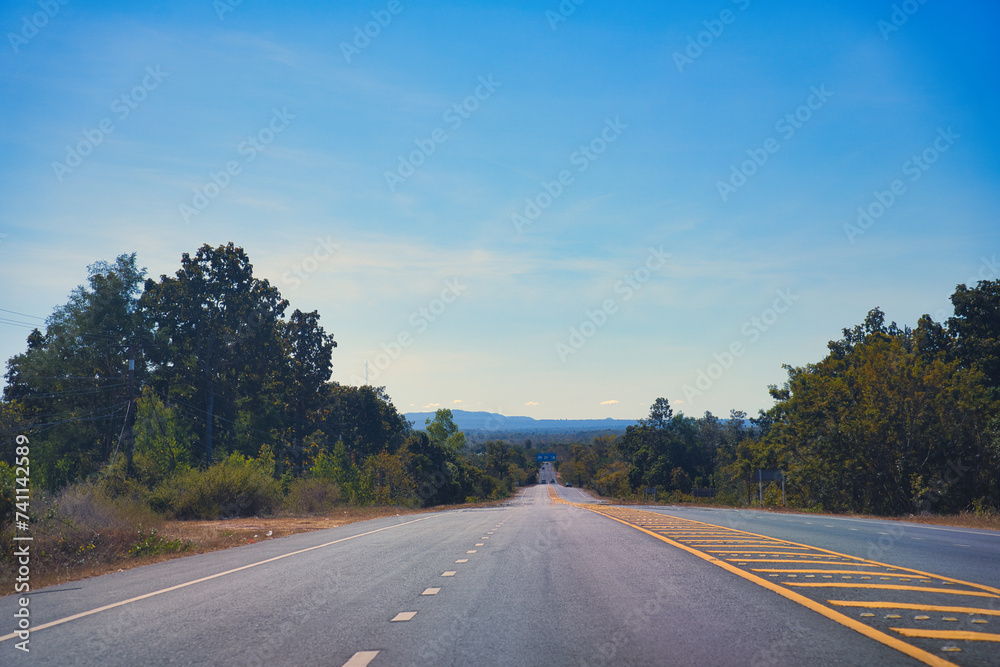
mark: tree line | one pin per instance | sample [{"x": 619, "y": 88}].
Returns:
[
  {"x": 894, "y": 420},
  {"x": 154, "y": 382}
]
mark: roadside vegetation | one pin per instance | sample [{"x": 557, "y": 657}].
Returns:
[
  {"x": 150, "y": 405},
  {"x": 226, "y": 412},
  {"x": 892, "y": 422}
]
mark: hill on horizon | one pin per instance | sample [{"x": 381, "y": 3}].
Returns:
[{"x": 490, "y": 421}]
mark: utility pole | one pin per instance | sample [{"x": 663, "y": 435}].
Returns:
[{"x": 130, "y": 414}]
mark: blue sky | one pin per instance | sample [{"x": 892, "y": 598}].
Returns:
[{"x": 502, "y": 210}]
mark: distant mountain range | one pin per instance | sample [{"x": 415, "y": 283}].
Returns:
[{"x": 489, "y": 421}]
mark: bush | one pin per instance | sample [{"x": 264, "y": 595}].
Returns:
[
  {"x": 7, "y": 494},
  {"x": 81, "y": 526},
  {"x": 236, "y": 487},
  {"x": 307, "y": 495},
  {"x": 154, "y": 545}
]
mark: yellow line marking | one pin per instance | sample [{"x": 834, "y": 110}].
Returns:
[
  {"x": 471, "y": 551},
  {"x": 853, "y": 559},
  {"x": 949, "y": 634},
  {"x": 462, "y": 560},
  {"x": 209, "y": 578},
  {"x": 431, "y": 591},
  {"x": 450, "y": 573},
  {"x": 796, "y": 560},
  {"x": 752, "y": 551},
  {"x": 893, "y": 587},
  {"x": 881, "y": 637},
  {"x": 404, "y": 616},
  {"x": 778, "y": 569},
  {"x": 361, "y": 659},
  {"x": 915, "y": 607}
]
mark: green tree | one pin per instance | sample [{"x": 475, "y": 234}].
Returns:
[
  {"x": 878, "y": 423},
  {"x": 364, "y": 418},
  {"x": 71, "y": 381},
  {"x": 308, "y": 351},
  {"x": 216, "y": 326},
  {"x": 444, "y": 431},
  {"x": 976, "y": 328},
  {"x": 162, "y": 438}
]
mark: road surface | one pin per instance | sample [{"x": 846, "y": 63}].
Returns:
[{"x": 550, "y": 578}]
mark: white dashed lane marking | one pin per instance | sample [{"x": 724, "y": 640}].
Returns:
[
  {"x": 361, "y": 659},
  {"x": 404, "y": 616},
  {"x": 431, "y": 591}
]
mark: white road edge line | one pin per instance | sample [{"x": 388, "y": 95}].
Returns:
[
  {"x": 361, "y": 659},
  {"x": 208, "y": 578}
]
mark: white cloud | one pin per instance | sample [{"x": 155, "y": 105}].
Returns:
[{"x": 611, "y": 402}]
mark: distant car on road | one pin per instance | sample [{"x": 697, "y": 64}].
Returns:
[{"x": 568, "y": 484}]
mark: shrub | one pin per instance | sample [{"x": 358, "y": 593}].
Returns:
[
  {"x": 153, "y": 545},
  {"x": 83, "y": 525},
  {"x": 235, "y": 487},
  {"x": 7, "y": 494},
  {"x": 307, "y": 495}
]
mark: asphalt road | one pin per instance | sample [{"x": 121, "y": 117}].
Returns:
[{"x": 534, "y": 582}]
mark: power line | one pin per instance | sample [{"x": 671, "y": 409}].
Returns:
[
  {"x": 14, "y": 312},
  {"x": 15, "y": 323},
  {"x": 73, "y": 392}
]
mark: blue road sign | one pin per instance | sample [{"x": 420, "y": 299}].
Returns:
[{"x": 545, "y": 456}]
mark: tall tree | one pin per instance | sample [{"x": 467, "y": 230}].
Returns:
[
  {"x": 309, "y": 351},
  {"x": 71, "y": 379},
  {"x": 217, "y": 329},
  {"x": 877, "y": 424},
  {"x": 976, "y": 327}
]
